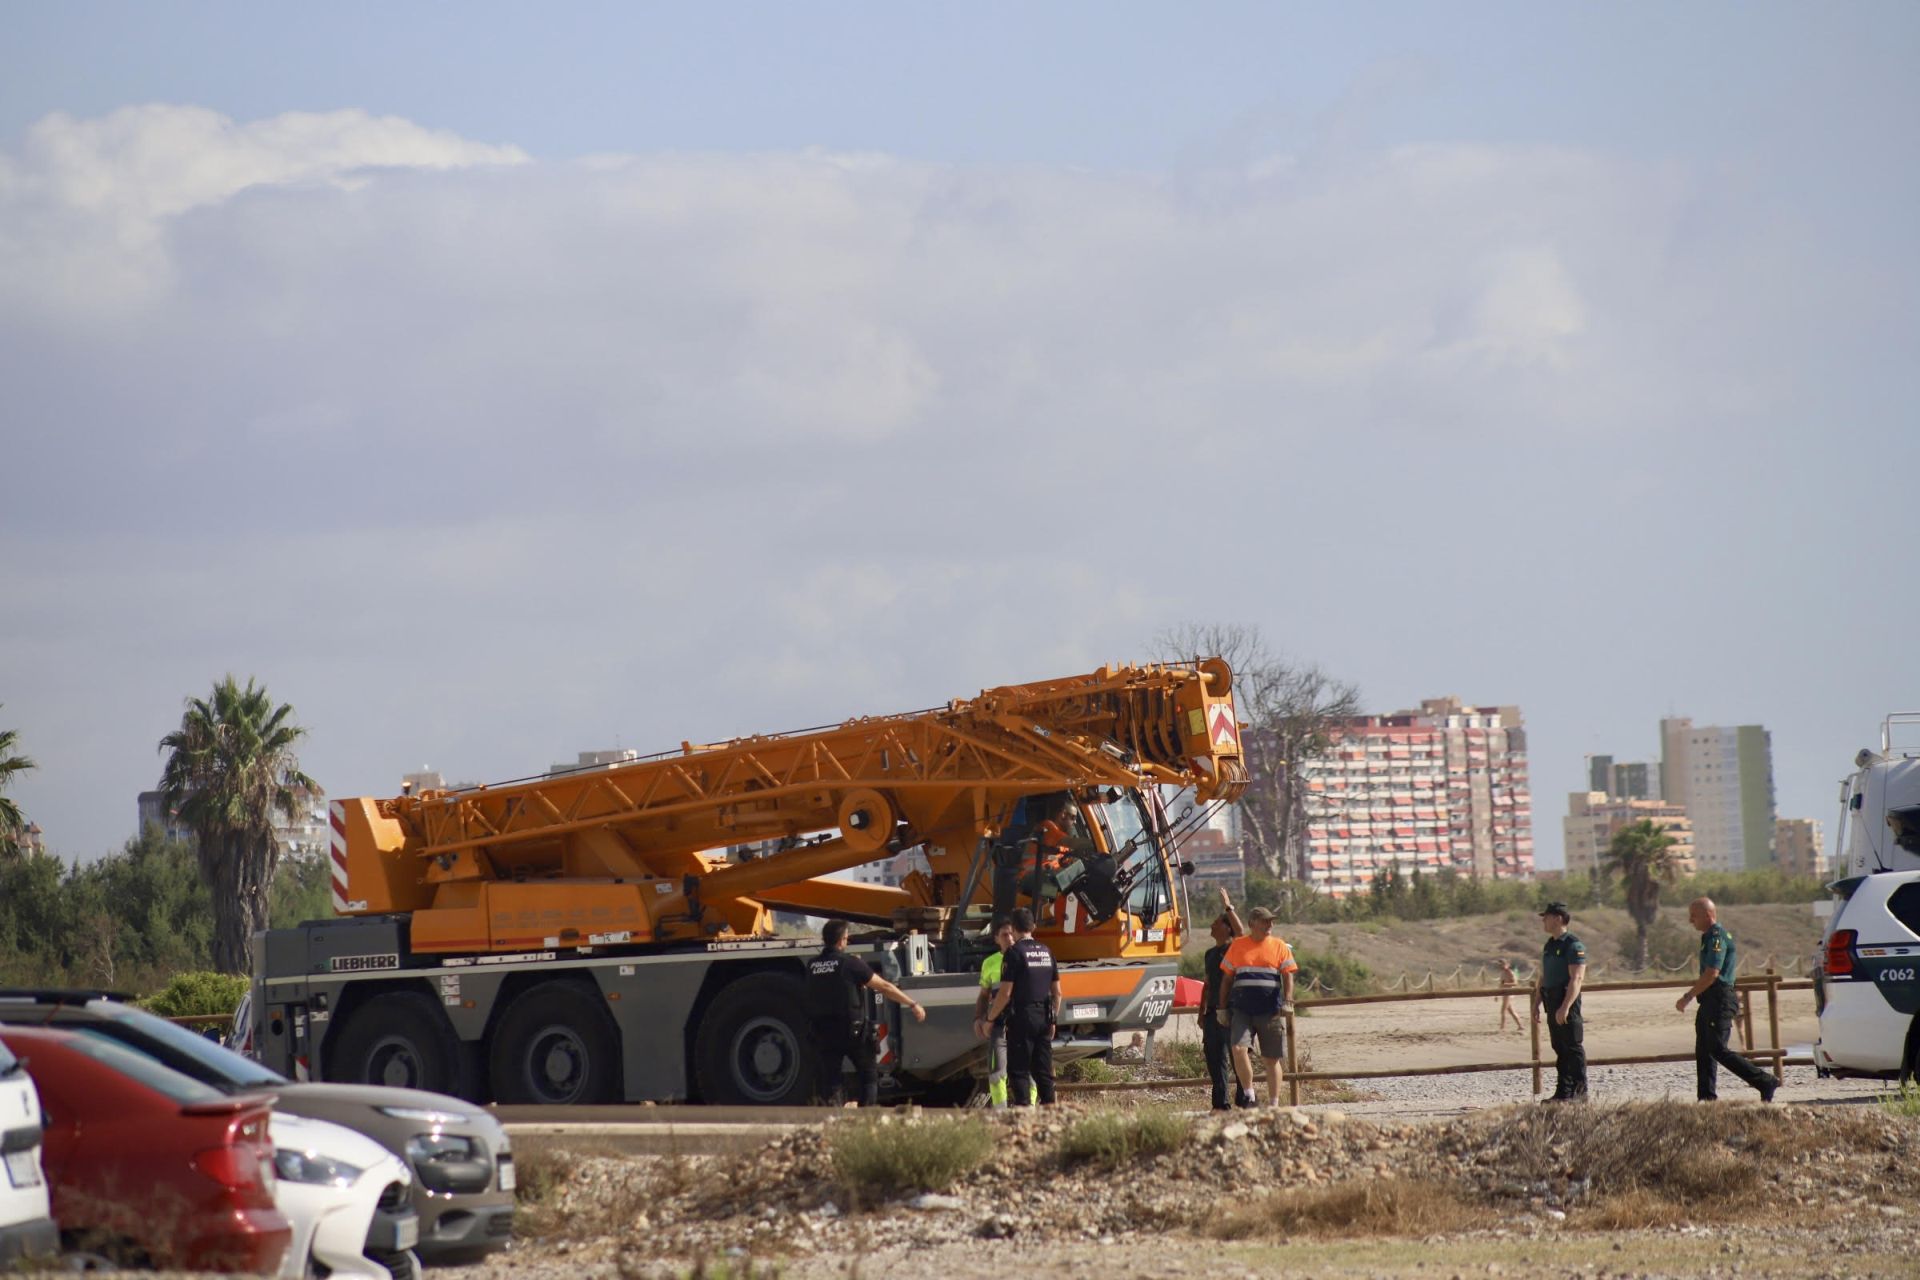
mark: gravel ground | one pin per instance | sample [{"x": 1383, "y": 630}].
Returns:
[{"x": 1519, "y": 1207}]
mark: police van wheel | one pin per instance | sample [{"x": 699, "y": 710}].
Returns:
[
  {"x": 401, "y": 1039},
  {"x": 555, "y": 1045},
  {"x": 1910, "y": 1056},
  {"x": 754, "y": 1047}
]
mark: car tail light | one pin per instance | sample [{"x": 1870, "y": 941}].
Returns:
[
  {"x": 1839, "y": 962},
  {"x": 235, "y": 1168}
]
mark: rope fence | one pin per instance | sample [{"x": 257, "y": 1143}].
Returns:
[
  {"x": 1486, "y": 975},
  {"x": 1771, "y": 983}
]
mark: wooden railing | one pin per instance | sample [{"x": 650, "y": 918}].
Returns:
[{"x": 1771, "y": 983}]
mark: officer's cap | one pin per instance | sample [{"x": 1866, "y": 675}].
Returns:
[
  {"x": 1260, "y": 913},
  {"x": 1557, "y": 909}
]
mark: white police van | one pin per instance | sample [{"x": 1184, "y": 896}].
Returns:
[{"x": 1867, "y": 986}]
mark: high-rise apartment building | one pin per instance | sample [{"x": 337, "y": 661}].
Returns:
[
  {"x": 1594, "y": 817},
  {"x": 1624, "y": 780},
  {"x": 1796, "y": 847},
  {"x": 1723, "y": 778},
  {"x": 1443, "y": 787},
  {"x": 301, "y": 835}
]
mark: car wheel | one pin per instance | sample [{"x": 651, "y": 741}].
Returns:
[
  {"x": 401, "y": 1039},
  {"x": 556, "y": 1044},
  {"x": 754, "y": 1047},
  {"x": 1910, "y": 1056}
]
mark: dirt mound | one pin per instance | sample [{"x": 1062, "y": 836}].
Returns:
[{"x": 1599, "y": 1166}]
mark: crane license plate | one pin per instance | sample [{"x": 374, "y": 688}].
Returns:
[{"x": 23, "y": 1167}]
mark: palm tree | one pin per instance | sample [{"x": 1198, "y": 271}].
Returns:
[
  {"x": 1642, "y": 856},
  {"x": 12, "y": 822},
  {"x": 230, "y": 770}
]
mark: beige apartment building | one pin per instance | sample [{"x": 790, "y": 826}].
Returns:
[
  {"x": 1722, "y": 776},
  {"x": 1796, "y": 847},
  {"x": 1593, "y": 817}
]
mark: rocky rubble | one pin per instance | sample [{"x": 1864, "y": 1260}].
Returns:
[{"x": 1530, "y": 1167}]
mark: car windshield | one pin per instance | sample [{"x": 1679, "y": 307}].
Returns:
[
  {"x": 181, "y": 1049},
  {"x": 140, "y": 1068}
]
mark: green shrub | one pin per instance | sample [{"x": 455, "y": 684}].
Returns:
[
  {"x": 1115, "y": 1139},
  {"x": 1186, "y": 1058},
  {"x": 1087, "y": 1071},
  {"x": 1905, "y": 1103},
  {"x": 1193, "y": 964},
  {"x": 1338, "y": 975},
  {"x": 876, "y": 1159},
  {"x": 200, "y": 992}
]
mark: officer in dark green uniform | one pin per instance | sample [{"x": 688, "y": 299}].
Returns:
[
  {"x": 1563, "y": 970},
  {"x": 1718, "y": 1005}
]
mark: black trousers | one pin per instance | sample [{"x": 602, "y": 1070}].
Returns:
[
  {"x": 833, "y": 1043},
  {"x": 1213, "y": 1039},
  {"x": 1029, "y": 1054},
  {"x": 1712, "y": 1023},
  {"x": 1569, "y": 1044}
]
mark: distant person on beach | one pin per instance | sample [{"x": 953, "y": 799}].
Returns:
[{"x": 1509, "y": 981}]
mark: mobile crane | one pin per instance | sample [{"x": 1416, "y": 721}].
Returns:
[{"x": 606, "y": 934}]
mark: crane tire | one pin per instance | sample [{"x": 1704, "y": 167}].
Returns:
[
  {"x": 403, "y": 1039},
  {"x": 556, "y": 1045},
  {"x": 754, "y": 1045}
]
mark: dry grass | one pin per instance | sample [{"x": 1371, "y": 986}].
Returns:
[
  {"x": 543, "y": 1210},
  {"x": 1114, "y": 1139},
  {"x": 877, "y": 1160},
  {"x": 1362, "y": 1207}
]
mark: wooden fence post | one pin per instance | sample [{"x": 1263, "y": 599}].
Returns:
[
  {"x": 1293, "y": 1064},
  {"x": 1533, "y": 1024},
  {"x": 1773, "y": 1024}
]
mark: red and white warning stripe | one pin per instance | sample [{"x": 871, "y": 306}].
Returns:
[{"x": 336, "y": 814}]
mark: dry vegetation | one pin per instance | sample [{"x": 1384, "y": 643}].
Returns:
[{"x": 850, "y": 1187}]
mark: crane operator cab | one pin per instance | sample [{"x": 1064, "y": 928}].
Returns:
[{"x": 1080, "y": 862}]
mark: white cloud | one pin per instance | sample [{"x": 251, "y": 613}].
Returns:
[
  {"x": 98, "y": 193},
  {"x": 480, "y": 458}
]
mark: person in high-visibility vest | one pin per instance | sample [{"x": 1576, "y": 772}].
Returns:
[
  {"x": 1030, "y": 997},
  {"x": 1256, "y": 992},
  {"x": 995, "y": 1030}
]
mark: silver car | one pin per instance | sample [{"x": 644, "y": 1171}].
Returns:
[{"x": 461, "y": 1161}]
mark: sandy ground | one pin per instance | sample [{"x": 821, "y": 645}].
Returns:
[{"x": 1451, "y": 1032}]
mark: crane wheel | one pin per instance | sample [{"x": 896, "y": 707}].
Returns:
[
  {"x": 556, "y": 1044},
  {"x": 402, "y": 1039},
  {"x": 755, "y": 1047}
]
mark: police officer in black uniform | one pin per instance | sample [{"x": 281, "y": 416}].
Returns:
[
  {"x": 1213, "y": 1036},
  {"x": 837, "y": 986},
  {"x": 1563, "y": 971},
  {"x": 1030, "y": 993}
]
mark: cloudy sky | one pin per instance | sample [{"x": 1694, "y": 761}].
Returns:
[{"x": 496, "y": 385}]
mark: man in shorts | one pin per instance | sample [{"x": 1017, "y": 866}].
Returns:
[{"x": 1256, "y": 993}]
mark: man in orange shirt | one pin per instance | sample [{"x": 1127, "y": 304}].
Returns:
[{"x": 1256, "y": 992}]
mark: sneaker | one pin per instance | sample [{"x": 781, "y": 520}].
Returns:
[
  {"x": 1768, "y": 1089},
  {"x": 1246, "y": 1099}
]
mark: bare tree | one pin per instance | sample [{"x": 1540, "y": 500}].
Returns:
[{"x": 1293, "y": 712}]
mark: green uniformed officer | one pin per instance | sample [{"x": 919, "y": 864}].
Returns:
[
  {"x": 1718, "y": 1004},
  {"x": 1563, "y": 971}
]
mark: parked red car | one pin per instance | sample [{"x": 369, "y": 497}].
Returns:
[{"x": 148, "y": 1166}]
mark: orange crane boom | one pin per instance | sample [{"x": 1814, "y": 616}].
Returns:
[{"x": 638, "y": 853}]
